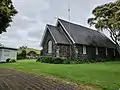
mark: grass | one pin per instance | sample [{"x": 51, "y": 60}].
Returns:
[
  {"x": 105, "y": 75},
  {"x": 28, "y": 50}
]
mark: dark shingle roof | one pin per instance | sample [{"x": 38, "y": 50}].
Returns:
[
  {"x": 59, "y": 37},
  {"x": 86, "y": 36}
]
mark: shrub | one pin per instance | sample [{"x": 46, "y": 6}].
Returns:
[
  {"x": 54, "y": 60},
  {"x": 67, "y": 62},
  {"x": 51, "y": 60},
  {"x": 12, "y": 61},
  {"x": 58, "y": 61},
  {"x": 44, "y": 59},
  {"x": 8, "y": 60},
  {"x": 38, "y": 59}
]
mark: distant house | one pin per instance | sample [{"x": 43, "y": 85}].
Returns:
[
  {"x": 69, "y": 40},
  {"x": 6, "y": 53}
]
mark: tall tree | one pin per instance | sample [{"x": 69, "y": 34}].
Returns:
[
  {"x": 107, "y": 17},
  {"x": 7, "y": 11}
]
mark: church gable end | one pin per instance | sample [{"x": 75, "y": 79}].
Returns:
[{"x": 48, "y": 44}]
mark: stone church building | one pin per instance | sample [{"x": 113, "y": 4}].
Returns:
[{"x": 71, "y": 41}]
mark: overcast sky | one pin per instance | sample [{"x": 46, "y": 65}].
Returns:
[{"x": 28, "y": 25}]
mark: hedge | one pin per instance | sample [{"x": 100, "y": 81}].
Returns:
[{"x": 54, "y": 60}]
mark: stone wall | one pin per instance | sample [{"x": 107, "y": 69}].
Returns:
[{"x": 64, "y": 51}]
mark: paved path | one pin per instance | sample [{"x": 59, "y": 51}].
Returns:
[{"x": 15, "y": 80}]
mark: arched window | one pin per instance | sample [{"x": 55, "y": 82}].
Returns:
[{"x": 50, "y": 47}]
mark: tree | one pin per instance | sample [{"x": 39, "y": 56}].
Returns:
[
  {"x": 7, "y": 11},
  {"x": 23, "y": 54},
  {"x": 107, "y": 17}
]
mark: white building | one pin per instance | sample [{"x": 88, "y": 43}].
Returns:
[{"x": 6, "y": 53}]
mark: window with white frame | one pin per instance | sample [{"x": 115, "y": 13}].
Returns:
[
  {"x": 50, "y": 47},
  {"x": 84, "y": 50},
  {"x": 96, "y": 50},
  {"x": 106, "y": 51}
]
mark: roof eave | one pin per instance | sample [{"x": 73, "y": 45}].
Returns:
[{"x": 8, "y": 48}]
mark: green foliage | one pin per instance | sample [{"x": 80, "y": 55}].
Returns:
[
  {"x": 8, "y": 60},
  {"x": 104, "y": 75},
  {"x": 22, "y": 55},
  {"x": 67, "y": 62},
  {"x": 106, "y": 16},
  {"x": 51, "y": 60},
  {"x": 54, "y": 60},
  {"x": 28, "y": 50},
  {"x": 12, "y": 60},
  {"x": 7, "y": 11},
  {"x": 57, "y": 61}
]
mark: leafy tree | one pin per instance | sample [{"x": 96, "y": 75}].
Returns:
[
  {"x": 107, "y": 17},
  {"x": 23, "y": 54},
  {"x": 7, "y": 11}
]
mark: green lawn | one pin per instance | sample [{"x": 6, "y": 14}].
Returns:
[{"x": 105, "y": 75}]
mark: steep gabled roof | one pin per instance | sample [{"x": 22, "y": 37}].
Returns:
[
  {"x": 58, "y": 36},
  {"x": 86, "y": 36}
]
